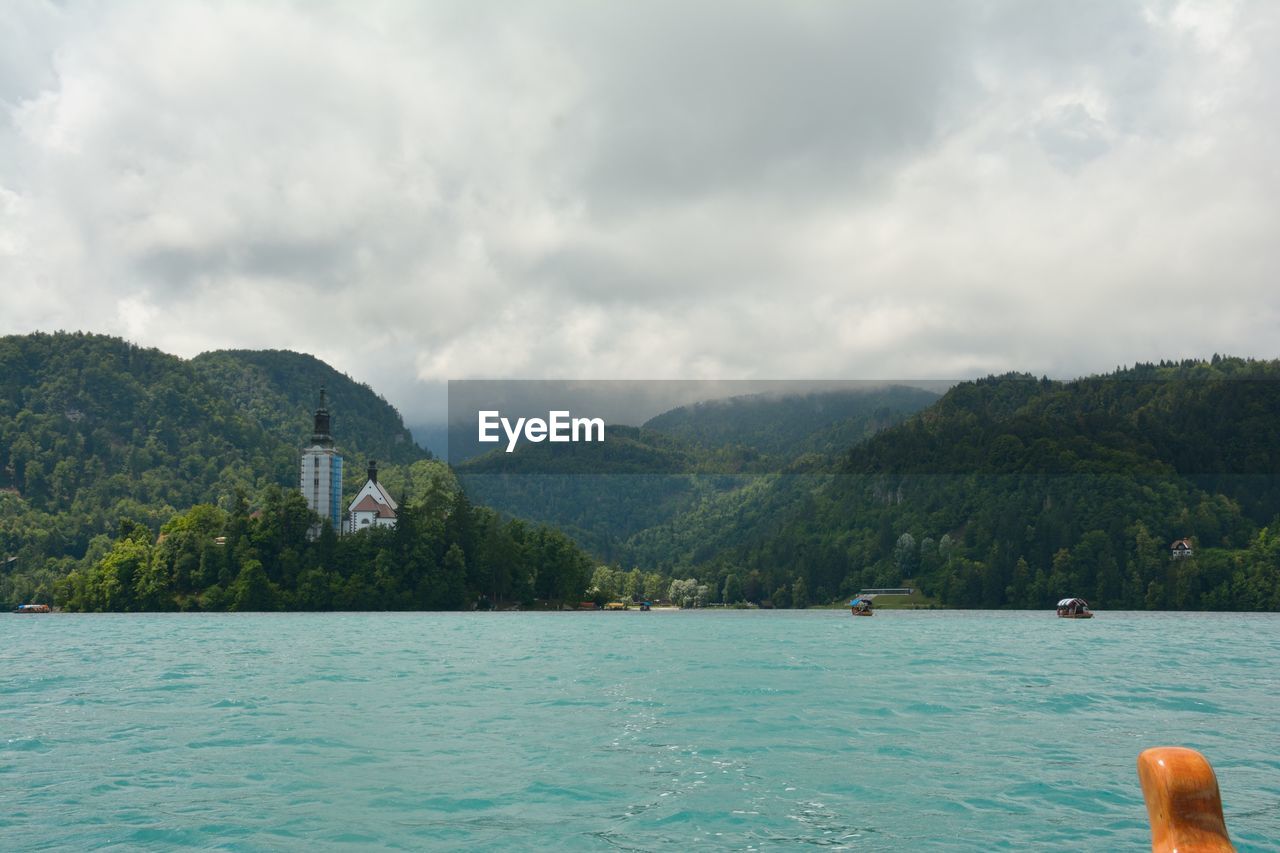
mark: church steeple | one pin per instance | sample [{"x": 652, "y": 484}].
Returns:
[
  {"x": 320, "y": 477},
  {"x": 320, "y": 435}
]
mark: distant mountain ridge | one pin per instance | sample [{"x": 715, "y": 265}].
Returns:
[
  {"x": 1010, "y": 491},
  {"x": 790, "y": 425},
  {"x": 679, "y": 461},
  {"x": 1005, "y": 491}
]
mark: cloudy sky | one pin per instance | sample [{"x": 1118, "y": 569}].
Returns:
[{"x": 418, "y": 192}]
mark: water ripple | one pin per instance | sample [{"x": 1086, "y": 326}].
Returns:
[{"x": 733, "y": 730}]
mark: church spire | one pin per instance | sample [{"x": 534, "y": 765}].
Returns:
[{"x": 320, "y": 435}]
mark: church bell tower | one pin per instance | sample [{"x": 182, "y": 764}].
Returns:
[{"x": 321, "y": 478}]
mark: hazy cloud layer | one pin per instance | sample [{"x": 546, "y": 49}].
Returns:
[{"x": 419, "y": 192}]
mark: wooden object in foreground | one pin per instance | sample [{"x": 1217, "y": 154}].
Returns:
[{"x": 1182, "y": 801}]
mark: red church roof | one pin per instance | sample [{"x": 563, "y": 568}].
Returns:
[{"x": 368, "y": 504}]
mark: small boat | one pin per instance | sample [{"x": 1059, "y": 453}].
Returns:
[
  {"x": 646, "y": 606},
  {"x": 861, "y": 607},
  {"x": 1074, "y": 608},
  {"x": 33, "y": 608}
]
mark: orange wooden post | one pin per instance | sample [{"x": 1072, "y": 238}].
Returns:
[{"x": 1182, "y": 801}]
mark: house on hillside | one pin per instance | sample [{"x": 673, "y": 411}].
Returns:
[
  {"x": 372, "y": 506},
  {"x": 1180, "y": 549}
]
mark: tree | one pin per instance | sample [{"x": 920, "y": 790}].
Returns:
[
  {"x": 1018, "y": 593},
  {"x": 453, "y": 592},
  {"x": 732, "y": 592},
  {"x": 1062, "y": 577},
  {"x": 684, "y": 593},
  {"x": 905, "y": 555},
  {"x": 252, "y": 590},
  {"x": 633, "y": 584},
  {"x": 604, "y": 584},
  {"x": 799, "y": 593}
]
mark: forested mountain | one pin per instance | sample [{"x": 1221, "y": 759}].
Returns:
[
  {"x": 94, "y": 429},
  {"x": 601, "y": 493},
  {"x": 278, "y": 390},
  {"x": 677, "y": 464},
  {"x": 1009, "y": 491},
  {"x": 785, "y": 426},
  {"x": 1012, "y": 491}
]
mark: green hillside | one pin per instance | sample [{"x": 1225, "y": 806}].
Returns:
[
  {"x": 633, "y": 497},
  {"x": 1012, "y": 491},
  {"x": 1009, "y": 491},
  {"x": 94, "y": 429},
  {"x": 598, "y": 493},
  {"x": 786, "y": 426},
  {"x": 278, "y": 390}
]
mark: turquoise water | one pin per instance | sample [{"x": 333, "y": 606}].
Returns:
[{"x": 737, "y": 729}]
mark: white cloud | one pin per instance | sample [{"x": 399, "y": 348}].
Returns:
[{"x": 707, "y": 190}]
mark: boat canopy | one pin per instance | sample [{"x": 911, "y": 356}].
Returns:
[
  {"x": 1066, "y": 602},
  {"x": 858, "y": 601}
]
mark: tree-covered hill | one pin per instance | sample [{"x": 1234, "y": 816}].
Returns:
[
  {"x": 1012, "y": 491},
  {"x": 278, "y": 390},
  {"x": 94, "y": 429},
  {"x": 678, "y": 465},
  {"x": 598, "y": 493},
  {"x": 1005, "y": 492},
  {"x": 443, "y": 554},
  {"x": 786, "y": 426}
]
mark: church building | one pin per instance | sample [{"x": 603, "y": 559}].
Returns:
[
  {"x": 321, "y": 478},
  {"x": 373, "y": 505}
]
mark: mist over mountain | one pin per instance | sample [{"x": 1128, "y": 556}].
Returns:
[
  {"x": 790, "y": 425},
  {"x": 647, "y": 477},
  {"x": 1010, "y": 491},
  {"x": 1005, "y": 491}
]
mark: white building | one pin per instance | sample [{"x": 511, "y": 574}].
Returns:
[
  {"x": 321, "y": 478},
  {"x": 373, "y": 505}
]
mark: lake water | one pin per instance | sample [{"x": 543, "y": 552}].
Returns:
[{"x": 591, "y": 731}]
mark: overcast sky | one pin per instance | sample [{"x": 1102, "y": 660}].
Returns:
[{"x": 418, "y": 192}]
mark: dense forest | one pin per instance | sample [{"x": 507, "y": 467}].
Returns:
[
  {"x": 443, "y": 554},
  {"x": 131, "y": 479},
  {"x": 1009, "y": 491},
  {"x": 1014, "y": 492},
  {"x": 94, "y": 430},
  {"x": 782, "y": 427},
  {"x": 643, "y": 479},
  {"x": 277, "y": 390}
]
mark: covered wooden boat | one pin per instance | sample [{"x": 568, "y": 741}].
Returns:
[
  {"x": 33, "y": 608},
  {"x": 862, "y": 607},
  {"x": 1074, "y": 608}
]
